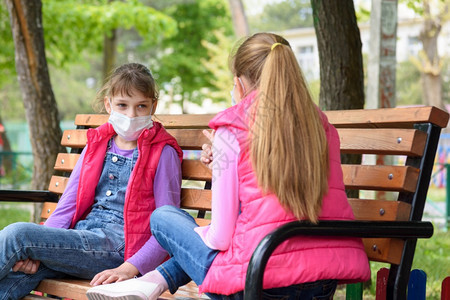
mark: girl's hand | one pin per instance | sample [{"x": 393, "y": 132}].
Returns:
[
  {"x": 123, "y": 272},
  {"x": 207, "y": 155},
  {"x": 27, "y": 266}
]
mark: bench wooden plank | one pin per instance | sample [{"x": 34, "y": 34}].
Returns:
[
  {"x": 392, "y": 117},
  {"x": 196, "y": 198},
  {"x": 373, "y": 118},
  {"x": 382, "y": 141},
  {"x": 58, "y": 184},
  {"x": 380, "y": 178},
  {"x": 187, "y": 139},
  {"x": 66, "y": 288},
  {"x": 359, "y": 141},
  {"x": 66, "y": 161},
  {"x": 380, "y": 210},
  {"x": 47, "y": 209},
  {"x": 384, "y": 250},
  {"x": 195, "y": 170},
  {"x": 199, "y": 121},
  {"x": 74, "y": 138}
]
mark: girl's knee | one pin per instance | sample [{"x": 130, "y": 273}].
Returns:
[
  {"x": 168, "y": 216},
  {"x": 18, "y": 229},
  {"x": 161, "y": 215}
]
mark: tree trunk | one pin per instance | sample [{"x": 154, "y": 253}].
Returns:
[
  {"x": 109, "y": 53},
  {"x": 430, "y": 72},
  {"x": 340, "y": 56},
  {"x": 240, "y": 23},
  {"x": 339, "y": 44},
  {"x": 38, "y": 98}
]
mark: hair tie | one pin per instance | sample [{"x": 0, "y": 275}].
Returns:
[{"x": 274, "y": 45}]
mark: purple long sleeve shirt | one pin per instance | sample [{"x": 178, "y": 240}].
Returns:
[{"x": 167, "y": 189}]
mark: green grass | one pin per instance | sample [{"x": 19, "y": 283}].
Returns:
[
  {"x": 12, "y": 214},
  {"x": 436, "y": 194},
  {"x": 431, "y": 256}
]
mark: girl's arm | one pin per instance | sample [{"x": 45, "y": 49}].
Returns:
[
  {"x": 63, "y": 214},
  {"x": 167, "y": 190},
  {"x": 225, "y": 185}
]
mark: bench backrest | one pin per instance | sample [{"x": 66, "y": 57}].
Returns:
[{"x": 395, "y": 132}]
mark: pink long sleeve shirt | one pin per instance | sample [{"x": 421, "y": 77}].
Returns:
[{"x": 225, "y": 199}]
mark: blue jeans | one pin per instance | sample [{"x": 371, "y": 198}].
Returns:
[
  {"x": 190, "y": 259},
  {"x": 62, "y": 252}
]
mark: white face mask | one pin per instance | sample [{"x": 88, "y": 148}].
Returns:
[{"x": 129, "y": 128}]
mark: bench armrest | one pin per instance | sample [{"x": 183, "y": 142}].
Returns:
[
  {"x": 362, "y": 229},
  {"x": 27, "y": 196}
]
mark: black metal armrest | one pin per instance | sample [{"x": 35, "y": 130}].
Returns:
[
  {"x": 366, "y": 229},
  {"x": 27, "y": 196}
]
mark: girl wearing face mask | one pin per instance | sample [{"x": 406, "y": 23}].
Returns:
[{"x": 100, "y": 229}]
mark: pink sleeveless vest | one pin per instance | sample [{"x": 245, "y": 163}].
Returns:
[{"x": 301, "y": 259}]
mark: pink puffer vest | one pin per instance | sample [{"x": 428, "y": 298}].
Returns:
[{"x": 301, "y": 259}]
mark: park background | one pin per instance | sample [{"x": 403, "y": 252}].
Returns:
[{"x": 186, "y": 44}]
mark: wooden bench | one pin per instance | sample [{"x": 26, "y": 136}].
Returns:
[{"x": 390, "y": 227}]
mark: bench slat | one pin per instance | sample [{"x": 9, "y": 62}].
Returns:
[
  {"x": 74, "y": 138},
  {"x": 376, "y": 210},
  {"x": 380, "y": 178},
  {"x": 384, "y": 250},
  {"x": 378, "y": 118},
  {"x": 359, "y": 141},
  {"x": 195, "y": 170},
  {"x": 73, "y": 288},
  {"x": 196, "y": 199},
  {"x": 382, "y": 141},
  {"x": 380, "y": 210},
  {"x": 187, "y": 139},
  {"x": 47, "y": 209},
  {"x": 392, "y": 117},
  {"x": 58, "y": 184},
  {"x": 387, "y": 178},
  {"x": 66, "y": 161},
  {"x": 199, "y": 121}
]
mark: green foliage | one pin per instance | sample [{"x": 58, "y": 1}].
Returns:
[
  {"x": 179, "y": 67},
  {"x": 218, "y": 66},
  {"x": 73, "y": 26},
  {"x": 408, "y": 86},
  {"x": 8, "y": 72},
  {"x": 74, "y": 32},
  {"x": 282, "y": 15},
  {"x": 75, "y": 88}
]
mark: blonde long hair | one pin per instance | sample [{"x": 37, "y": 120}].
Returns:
[{"x": 289, "y": 149}]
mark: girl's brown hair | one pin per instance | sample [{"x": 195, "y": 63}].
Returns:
[
  {"x": 289, "y": 149},
  {"x": 126, "y": 79}
]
